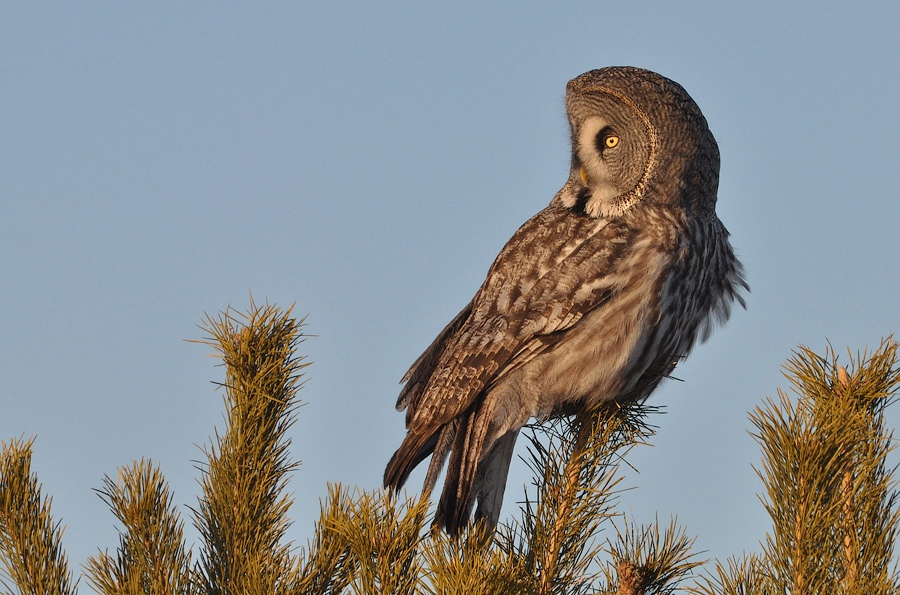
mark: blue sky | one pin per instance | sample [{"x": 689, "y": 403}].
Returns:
[{"x": 162, "y": 161}]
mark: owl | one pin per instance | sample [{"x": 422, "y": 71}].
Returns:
[{"x": 594, "y": 299}]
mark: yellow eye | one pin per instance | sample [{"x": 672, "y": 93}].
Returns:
[{"x": 611, "y": 141}]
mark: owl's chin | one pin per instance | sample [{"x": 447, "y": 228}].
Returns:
[
  {"x": 601, "y": 200},
  {"x": 604, "y": 201}
]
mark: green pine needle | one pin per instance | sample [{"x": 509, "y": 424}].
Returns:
[
  {"x": 151, "y": 557},
  {"x": 368, "y": 544},
  {"x": 831, "y": 496},
  {"x": 242, "y": 514},
  {"x": 31, "y": 552},
  {"x": 829, "y": 492}
]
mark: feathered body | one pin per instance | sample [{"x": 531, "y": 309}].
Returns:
[{"x": 595, "y": 298}]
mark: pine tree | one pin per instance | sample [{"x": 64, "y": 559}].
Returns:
[
  {"x": 30, "y": 542},
  {"x": 829, "y": 492},
  {"x": 831, "y": 497}
]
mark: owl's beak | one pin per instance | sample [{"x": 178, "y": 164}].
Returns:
[{"x": 583, "y": 175}]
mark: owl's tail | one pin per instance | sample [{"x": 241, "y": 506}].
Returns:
[
  {"x": 490, "y": 483},
  {"x": 473, "y": 475},
  {"x": 470, "y": 475},
  {"x": 456, "y": 500},
  {"x": 414, "y": 449}
]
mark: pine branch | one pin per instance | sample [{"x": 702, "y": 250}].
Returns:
[
  {"x": 648, "y": 560},
  {"x": 242, "y": 514},
  {"x": 832, "y": 499},
  {"x": 576, "y": 477},
  {"x": 744, "y": 576},
  {"x": 325, "y": 568},
  {"x": 151, "y": 557},
  {"x": 471, "y": 565},
  {"x": 631, "y": 578},
  {"x": 383, "y": 535},
  {"x": 31, "y": 550},
  {"x": 368, "y": 544},
  {"x": 566, "y": 503}
]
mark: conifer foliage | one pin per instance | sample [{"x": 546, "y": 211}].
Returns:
[
  {"x": 828, "y": 490},
  {"x": 30, "y": 541}
]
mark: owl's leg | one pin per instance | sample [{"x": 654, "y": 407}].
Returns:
[{"x": 490, "y": 482}]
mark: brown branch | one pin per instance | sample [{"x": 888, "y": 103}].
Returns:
[
  {"x": 799, "y": 540},
  {"x": 631, "y": 579},
  {"x": 551, "y": 559},
  {"x": 851, "y": 569}
]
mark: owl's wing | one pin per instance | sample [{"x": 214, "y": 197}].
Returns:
[
  {"x": 556, "y": 268},
  {"x": 417, "y": 376}
]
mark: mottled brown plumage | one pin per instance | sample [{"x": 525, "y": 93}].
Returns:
[{"x": 595, "y": 298}]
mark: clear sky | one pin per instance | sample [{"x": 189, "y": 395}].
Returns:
[{"x": 367, "y": 161}]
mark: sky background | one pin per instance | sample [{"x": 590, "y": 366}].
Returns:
[{"x": 367, "y": 162}]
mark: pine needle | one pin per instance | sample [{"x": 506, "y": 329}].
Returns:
[
  {"x": 31, "y": 550},
  {"x": 151, "y": 558},
  {"x": 242, "y": 514}
]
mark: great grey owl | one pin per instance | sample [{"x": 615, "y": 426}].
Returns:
[{"x": 595, "y": 298}]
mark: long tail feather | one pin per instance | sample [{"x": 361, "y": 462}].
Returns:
[
  {"x": 439, "y": 457},
  {"x": 456, "y": 500},
  {"x": 490, "y": 483},
  {"x": 414, "y": 449}
]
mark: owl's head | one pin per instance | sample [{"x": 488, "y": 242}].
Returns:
[{"x": 637, "y": 137}]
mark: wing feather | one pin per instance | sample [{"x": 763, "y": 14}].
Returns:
[
  {"x": 555, "y": 269},
  {"x": 417, "y": 375}
]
